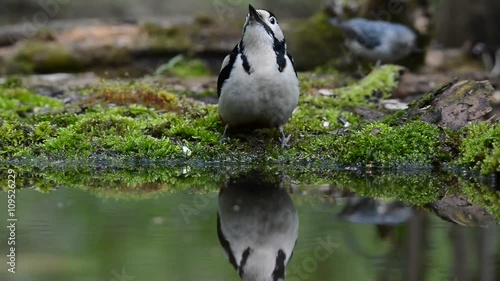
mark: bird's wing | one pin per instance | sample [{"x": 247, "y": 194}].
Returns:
[
  {"x": 367, "y": 33},
  {"x": 227, "y": 66},
  {"x": 293, "y": 62},
  {"x": 225, "y": 244},
  {"x": 224, "y": 62}
]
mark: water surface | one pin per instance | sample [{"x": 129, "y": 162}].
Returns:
[{"x": 168, "y": 234}]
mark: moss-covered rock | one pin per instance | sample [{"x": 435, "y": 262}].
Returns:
[
  {"x": 377, "y": 85},
  {"x": 182, "y": 67},
  {"x": 480, "y": 148},
  {"x": 17, "y": 101},
  {"x": 415, "y": 143},
  {"x": 169, "y": 39},
  {"x": 43, "y": 57}
]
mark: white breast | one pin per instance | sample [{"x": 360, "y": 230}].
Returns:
[{"x": 266, "y": 97}]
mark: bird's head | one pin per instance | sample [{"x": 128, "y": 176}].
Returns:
[
  {"x": 407, "y": 46},
  {"x": 261, "y": 27}
]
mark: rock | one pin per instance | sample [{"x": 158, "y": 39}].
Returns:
[
  {"x": 454, "y": 105},
  {"x": 369, "y": 114},
  {"x": 457, "y": 209}
]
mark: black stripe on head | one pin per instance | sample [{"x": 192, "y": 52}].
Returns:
[
  {"x": 279, "y": 269},
  {"x": 259, "y": 20},
  {"x": 225, "y": 244},
  {"x": 244, "y": 258}
]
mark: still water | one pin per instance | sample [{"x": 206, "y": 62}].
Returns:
[{"x": 249, "y": 225}]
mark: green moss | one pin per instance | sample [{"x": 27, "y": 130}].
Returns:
[
  {"x": 379, "y": 84},
  {"x": 11, "y": 82},
  {"x": 110, "y": 132},
  {"x": 60, "y": 120},
  {"x": 319, "y": 114},
  {"x": 18, "y": 138},
  {"x": 410, "y": 187},
  {"x": 143, "y": 121},
  {"x": 135, "y": 92},
  {"x": 415, "y": 143},
  {"x": 15, "y": 137},
  {"x": 136, "y": 180},
  {"x": 42, "y": 56},
  {"x": 16, "y": 101},
  {"x": 482, "y": 195},
  {"x": 480, "y": 148},
  {"x": 310, "y": 81},
  {"x": 183, "y": 68}
]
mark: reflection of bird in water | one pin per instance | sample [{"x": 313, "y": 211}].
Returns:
[
  {"x": 257, "y": 225},
  {"x": 380, "y": 212},
  {"x": 379, "y": 41},
  {"x": 384, "y": 214}
]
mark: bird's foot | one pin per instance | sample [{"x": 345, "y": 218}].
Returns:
[
  {"x": 284, "y": 139},
  {"x": 223, "y": 138}
]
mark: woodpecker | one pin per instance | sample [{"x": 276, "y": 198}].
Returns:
[
  {"x": 378, "y": 41},
  {"x": 257, "y": 85},
  {"x": 257, "y": 226}
]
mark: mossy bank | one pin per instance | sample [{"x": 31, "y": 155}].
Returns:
[{"x": 138, "y": 120}]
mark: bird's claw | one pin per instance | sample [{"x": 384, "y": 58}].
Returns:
[
  {"x": 223, "y": 135},
  {"x": 284, "y": 140}
]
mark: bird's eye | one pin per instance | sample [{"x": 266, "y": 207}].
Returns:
[{"x": 272, "y": 20}]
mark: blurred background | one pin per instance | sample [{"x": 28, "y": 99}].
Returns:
[
  {"x": 455, "y": 34},
  {"x": 14, "y": 10}
]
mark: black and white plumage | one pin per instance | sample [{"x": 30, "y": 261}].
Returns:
[
  {"x": 257, "y": 225},
  {"x": 257, "y": 85},
  {"x": 377, "y": 40}
]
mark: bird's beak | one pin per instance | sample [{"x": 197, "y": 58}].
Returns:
[{"x": 254, "y": 16}]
